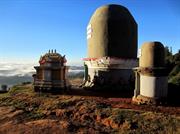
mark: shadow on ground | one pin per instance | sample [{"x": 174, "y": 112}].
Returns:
[
  {"x": 173, "y": 95},
  {"x": 107, "y": 93},
  {"x": 172, "y": 99}
]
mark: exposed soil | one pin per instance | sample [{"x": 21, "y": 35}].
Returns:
[{"x": 80, "y": 111}]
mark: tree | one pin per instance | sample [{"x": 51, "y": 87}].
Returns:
[
  {"x": 173, "y": 66},
  {"x": 4, "y": 87},
  {"x": 167, "y": 51}
]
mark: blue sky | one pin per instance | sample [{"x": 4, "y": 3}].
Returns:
[{"x": 29, "y": 28}]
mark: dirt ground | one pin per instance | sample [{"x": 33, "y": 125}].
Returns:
[{"x": 82, "y": 111}]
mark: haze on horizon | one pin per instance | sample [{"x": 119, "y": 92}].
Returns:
[{"x": 30, "y": 28}]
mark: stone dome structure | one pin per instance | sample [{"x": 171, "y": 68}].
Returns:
[
  {"x": 112, "y": 48},
  {"x": 112, "y": 32},
  {"x": 151, "y": 75},
  {"x": 152, "y": 55}
]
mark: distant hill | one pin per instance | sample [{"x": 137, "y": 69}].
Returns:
[
  {"x": 12, "y": 80},
  {"x": 81, "y": 68}
]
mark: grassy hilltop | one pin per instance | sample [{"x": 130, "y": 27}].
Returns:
[{"x": 24, "y": 111}]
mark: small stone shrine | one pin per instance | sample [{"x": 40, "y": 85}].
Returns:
[
  {"x": 151, "y": 85},
  {"x": 51, "y": 74}
]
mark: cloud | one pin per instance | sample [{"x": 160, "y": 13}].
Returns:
[
  {"x": 16, "y": 69},
  {"x": 26, "y": 69}
]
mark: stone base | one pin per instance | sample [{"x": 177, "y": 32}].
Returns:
[
  {"x": 51, "y": 89},
  {"x": 143, "y": 100},
  {"x": 51, "y": 86},
  {"x": 108, "y": 72}
]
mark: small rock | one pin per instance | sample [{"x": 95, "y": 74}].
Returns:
[
  {"x": 106, "y": 122},
  {"x": 64, "y": 124},
  {"x": 60, "y": 112}
]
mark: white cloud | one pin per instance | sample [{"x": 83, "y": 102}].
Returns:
[
  {"x": 16, "y": 68},
  {"x": 25, "y": 68}
]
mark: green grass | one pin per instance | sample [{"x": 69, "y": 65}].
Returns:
[
  {"x": 28, "y": 89},
  {"x": 21, "y": 88}
]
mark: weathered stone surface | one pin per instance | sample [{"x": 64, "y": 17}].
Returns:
[
  {"x": 152, "y": 55},
  {"x": 112, "y": 31}
]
